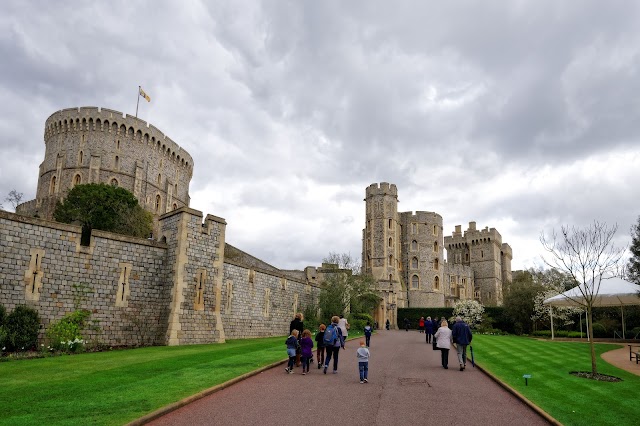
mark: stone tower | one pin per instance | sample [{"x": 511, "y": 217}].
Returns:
[
  {"x": 423, "y": 258},
  {"x": 99, "y": 145},
  {"x": 381, "y": 249},
  {"x": 489, "y": 258}
]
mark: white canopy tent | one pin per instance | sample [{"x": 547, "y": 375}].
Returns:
[{"x": 613, "y": 291}]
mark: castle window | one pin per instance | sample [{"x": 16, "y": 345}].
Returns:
[
  {"x": 159, "y": 178},
  {"x": 158, "y": 202},
  {"x": 414, "y": 245},
  {"x": 390, "y": 278},
  {"x": 77, "y": 180},
  {"x": 435, "y": 263},
  {"x": 118, "y": 144},
  {"x": 390, "y": 223},
  {"x": 414, "y": 228},
  {"x": 415, "y": 282},
  {"x": 80, "y": 155},
  {"x": 175, "y": 206},
  {"x": 390, "y": 242},
  {"x": 466, "y": 257},
  {"x": 116, "y": 163},
  {"x": 482, "y": 253},
  {"x": 414, "y": 263},
  {"x": 175, "y": 189},
  {"x": 114, "y": 182},
  {"x": 435, "y": 229},
  {"x": 458, "y": 258},
  {"x": 52, "y": 186},
  {"x": 435, "y": 247},
  {"x": 436, "y": 283},
  {"x": 390, "y": 260}
]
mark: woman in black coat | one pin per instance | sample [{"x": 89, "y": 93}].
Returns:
[{"x": 297, "y": 324}]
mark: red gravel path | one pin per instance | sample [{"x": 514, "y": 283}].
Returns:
[{"x": 407, "y": 386}]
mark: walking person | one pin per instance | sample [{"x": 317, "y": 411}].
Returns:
[
  {"x": 297, "y": 324},
  {"x": 407, "y": 324},
  {"x": 333, "y": 341},
  {"x": 428, "y": 329},
  {"x": 443, "y": 342},
  {"x": 306, "y": 350},
  {"x": 363, "y": 355},
  {"x": 421, "y": 325},
  {"x": 292, "y": 348},
  {"x": 320, "y": 345},
  {"x": 461, "y": 334},
  {"x": 344, "y": 327},
  {"x": 387, "y": 324},
  {"x": 367, "y": 333}
]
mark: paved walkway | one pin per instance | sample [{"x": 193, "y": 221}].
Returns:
[
  {"x": 620, "y": 358},
  {"x": 407, "y": 386}
]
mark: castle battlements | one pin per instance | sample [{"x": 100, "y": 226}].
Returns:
[{"x": 383, "y": 188}]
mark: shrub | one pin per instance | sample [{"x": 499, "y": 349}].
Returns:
[
  {"x": 22, "y": 328},
  {"x": 357, "y": 324},
  {"x": 66, "y": 333},
  {"x": 362, "y": 316},
  {"x": 3, "y": 315}
]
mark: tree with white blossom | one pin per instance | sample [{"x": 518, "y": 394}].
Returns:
[{"x": 470, "y": 311}]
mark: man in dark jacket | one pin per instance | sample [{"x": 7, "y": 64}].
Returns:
[
  {"x": 462, "y": 338},
  {"x": 297, "y": 324}
]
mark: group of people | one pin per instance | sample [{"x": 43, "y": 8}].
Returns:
[
  {"x": 329, "y": 339},
  {"x": 460, "y": 336}
]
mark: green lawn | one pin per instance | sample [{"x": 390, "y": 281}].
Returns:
[
  {"x": 112, "y": 388},
  {"x": 570, "y": 400}
]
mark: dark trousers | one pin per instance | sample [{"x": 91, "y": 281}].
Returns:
[
  {"x": 292, "y": 360},
  {"x": 320, "y": 355},
  {"x": 364, "y": 370},
  {"x": 305, "y": 363},
  {"x": 368, "y": 339},
  {"x": 428, "y": 336},
  {"x": 332, "y": 351},
  {"x": 445, "y": 357}
]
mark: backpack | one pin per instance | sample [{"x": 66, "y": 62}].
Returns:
[{"x": 330, "y": 335}]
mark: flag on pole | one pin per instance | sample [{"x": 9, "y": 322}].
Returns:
[{"x": 144, "y": 95}]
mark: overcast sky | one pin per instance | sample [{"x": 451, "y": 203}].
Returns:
[{"x": 519, "y": 115}]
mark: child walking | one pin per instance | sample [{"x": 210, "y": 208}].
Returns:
[
  {"x": 292, "y": 346},
  {"x": 320, "y": 345},
  {"x": 306, "y": 345},
  {"x": 363, "y": 361},
  {"x": 367, "y": 333}
]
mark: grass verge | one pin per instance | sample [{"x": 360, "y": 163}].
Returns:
[
  {"x": 570, "y": 400},
  {"x": 117, "y": 387}
]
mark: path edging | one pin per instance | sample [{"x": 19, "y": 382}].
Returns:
[{"x": 521, "y": 397}]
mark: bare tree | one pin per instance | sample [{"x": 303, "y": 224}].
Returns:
[
  {"x": 14, "y": 198},
  {"x": 589, "y": 256}
]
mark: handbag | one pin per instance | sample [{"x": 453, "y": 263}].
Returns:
[{"x": 435, "y": 347}]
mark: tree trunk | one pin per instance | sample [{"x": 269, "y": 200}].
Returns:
[{"x": 594, "y": 368}]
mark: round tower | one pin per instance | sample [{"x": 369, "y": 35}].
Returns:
[{"x": 99, "y": 145}]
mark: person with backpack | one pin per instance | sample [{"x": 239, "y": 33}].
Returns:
[
  {"x": 333, "y": 341},
  {"x": 367, "y": 333},
  {"x": 292, "y": 348},
  {"x": 320, "y": 345}
]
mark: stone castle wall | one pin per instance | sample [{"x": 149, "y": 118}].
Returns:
[
  {"x": 44, "y": 266},
  {"x": 176, "y": 291}
]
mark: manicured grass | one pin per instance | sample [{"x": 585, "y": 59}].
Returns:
[
  {"x": 113, "y": 388},
  {"x": 570, "y": 400}
]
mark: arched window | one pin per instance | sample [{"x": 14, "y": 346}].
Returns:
[
  {"x": 414, "y": 263},
  {"x": 114, "y": 182},
  {"x": 435, "y": 247},
  {"x": 390, "y": 278},
  {"x": 435, "y": 264},
  {"x": 118, "y": 144},
  {"x": 175, "y": 188},
  {"x": 159, "y": 178},
  {"x": 116, "y": 163},
  {"x": 77, "y": 180},
  {"x": 52, "y": 186},
  {"x": 158, "y": 202},
  {"x": 415, "y": 282},
  {"x": 435, "y": 229},
  {"x": 80, "y": 155},
  {"x": 175, "y": 206},
  {"x": 414, "y": 245},
  {"x": 390, "y": 223},
  {"x": 390, "y": 260},
  {"x": 390, "y": 242},
  {"x": 436, "y": 283}
]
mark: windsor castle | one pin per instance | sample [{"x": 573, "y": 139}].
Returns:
[{"x": 187, "y": 284}]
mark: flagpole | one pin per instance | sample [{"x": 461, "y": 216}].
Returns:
[{"x": 138, "y": 102}]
